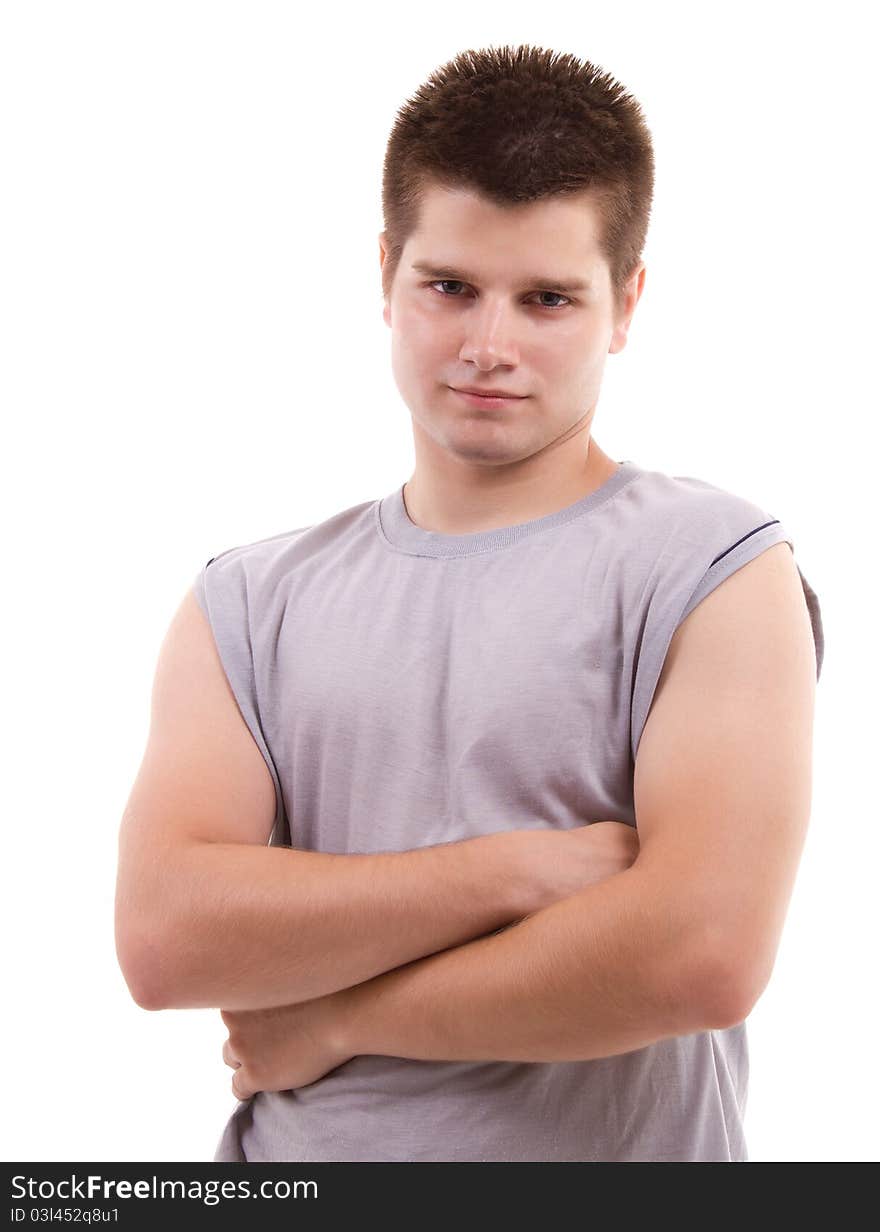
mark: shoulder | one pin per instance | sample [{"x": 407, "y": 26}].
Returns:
[
  {"x": 693, "y": 542},
  {"x": 687, "y": 506},
  {"x": 751, "y": 618},
  {"x": 256, "y": 573}
]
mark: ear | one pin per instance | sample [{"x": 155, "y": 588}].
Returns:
[
  {"x": 634, "y": 288},
  {"x": 383, "y": 253}
]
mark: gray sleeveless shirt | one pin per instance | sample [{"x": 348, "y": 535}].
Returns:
[{"x": 398, "y": 683}]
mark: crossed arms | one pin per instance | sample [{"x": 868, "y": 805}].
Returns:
[{"x": 682, "y": 940}]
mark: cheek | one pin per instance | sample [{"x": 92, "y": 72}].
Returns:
[
  {"x": 570, "y": 352},
  {"x": 427, "y": 330},
  {"x": 414, "y": 322},
  {"x": 419, "y": 358},
  {"x": 427, "y": 346}
]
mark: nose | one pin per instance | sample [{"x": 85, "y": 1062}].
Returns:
[{"x": 489, "y": 337}]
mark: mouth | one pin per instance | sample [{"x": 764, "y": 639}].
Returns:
[{"x": 488, "y": 400}]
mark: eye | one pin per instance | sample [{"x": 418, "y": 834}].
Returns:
[
  {"x": 455, "y": 282},
  {"x": 557, "y": 295}
]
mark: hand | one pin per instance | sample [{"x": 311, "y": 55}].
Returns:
[
  {"x": 563, "y": 862},
  {"x": 284, "y": 1046},
  {"x": 610, "y": 847}
]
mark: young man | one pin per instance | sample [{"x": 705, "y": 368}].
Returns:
[{"x": 533, "y": 686}]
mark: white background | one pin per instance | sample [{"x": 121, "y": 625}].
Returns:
[{"x": 194, "y": 357}]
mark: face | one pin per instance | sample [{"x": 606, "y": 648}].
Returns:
[{"x": 517, "y": 299}]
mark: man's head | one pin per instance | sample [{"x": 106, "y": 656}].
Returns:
[
  {"x": 519, "y": 125},
  {"x": 511, "y": 173}
]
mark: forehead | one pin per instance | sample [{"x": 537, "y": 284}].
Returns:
[{"x": 457, "y": 224}]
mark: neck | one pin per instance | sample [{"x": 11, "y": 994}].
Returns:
[{"x": 455, "y": 500}]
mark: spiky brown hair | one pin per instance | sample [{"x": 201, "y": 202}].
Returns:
[{"x": 518, "y": 124}]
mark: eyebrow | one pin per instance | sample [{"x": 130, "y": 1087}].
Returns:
[{"x": 449, "y": 271}]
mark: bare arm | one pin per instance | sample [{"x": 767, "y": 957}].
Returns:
[
  {"x": 255, "y": 927},
  {"x": 608, "y": 970},
  {"x": 252, "y": 927}
]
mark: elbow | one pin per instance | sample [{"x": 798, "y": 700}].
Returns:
[
  {"x": 144, "y": 968},
  {"x": 706, "y": 981},
  {"x": 144, "y": 994},
  {"x": 702, "y": 989},
  {"x": 727, "y": 991},
  {"x": 727, "y": 1002}
]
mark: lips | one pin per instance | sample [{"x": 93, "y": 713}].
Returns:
[{"x": 487, "y": 393}]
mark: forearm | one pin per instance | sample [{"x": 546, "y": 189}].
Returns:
[
  {"x": 251, "y": 927},
  {"x": 605, "y": 971}
]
